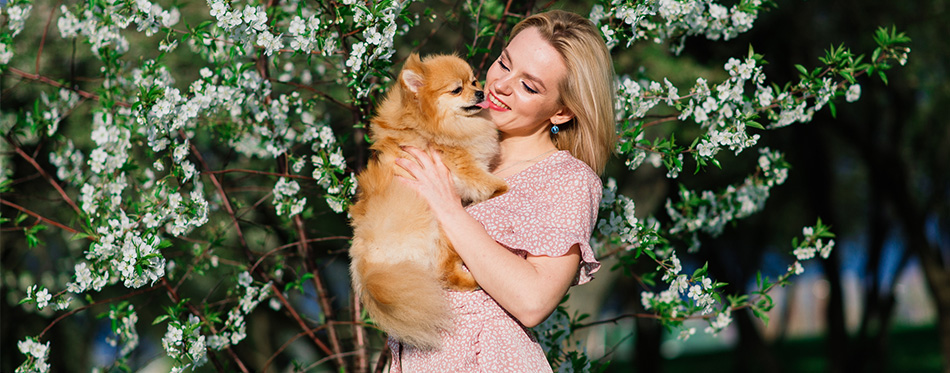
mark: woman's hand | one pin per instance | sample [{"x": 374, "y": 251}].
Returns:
[
  {"x": 528, "y": 288},
  {"x": 433, "y": 180}
]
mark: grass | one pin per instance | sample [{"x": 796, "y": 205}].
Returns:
[{"x": 909, "y": 351}]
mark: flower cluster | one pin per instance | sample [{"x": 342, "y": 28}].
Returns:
[
  {"x": 247, "y": 25},
  {"x": 113, "y": 144},
  {"x": 56, "y": 109},
  {"x": 36, "y": 356},
  {"x": 184, "y": 342},
  {"x": 38, "y": 294},
  {"x": 285, "y": 200},
  {"x": 618, "y": 216},
  {"x": 811, "y": 245},
  {"x": 124, "y": 319},
  {"x": 69, "y": 163},
  {"x": 7, "y": 166},
  {"x": 123, "y": 252},
  {"x": 101, "y": 24},
  {"x": 709, "y": 212},
  {"x": 620, "y": 227},
  {"x": 329, "y": 166},
  {"x": 235, "y": 328},
  {"x": 379, "y": 29},
  {"x": 555, "y": 333},
  {"x": 15, "y": 12},
  {"x": 662, "y": 20},
  {"x": 685, "y": 295}
]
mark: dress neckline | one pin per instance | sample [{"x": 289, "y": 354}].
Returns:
[{"x": 533, "y": 165}]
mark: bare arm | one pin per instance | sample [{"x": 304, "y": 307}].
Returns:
[{"x": 530, "y": 289}]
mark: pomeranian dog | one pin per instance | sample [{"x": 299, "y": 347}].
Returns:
[{"x": 400, "y": 261}]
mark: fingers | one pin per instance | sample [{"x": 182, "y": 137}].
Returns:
[
  {"x": 424, "y": 158},
  {"x": 428, "y": 159},
  {"x": 410, "y": 166}
]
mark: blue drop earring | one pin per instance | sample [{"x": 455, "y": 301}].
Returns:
[{"x": 554, "y": 129}]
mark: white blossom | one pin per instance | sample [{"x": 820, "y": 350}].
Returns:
[{"x": 853, "y": 93}]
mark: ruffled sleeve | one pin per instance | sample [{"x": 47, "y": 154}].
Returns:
[{"x": 556, "y": 209}]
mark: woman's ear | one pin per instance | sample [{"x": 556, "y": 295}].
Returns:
[{"x": 562, "y": 116}]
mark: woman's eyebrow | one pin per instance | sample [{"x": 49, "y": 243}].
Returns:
[{"x": 525, "y": 73}]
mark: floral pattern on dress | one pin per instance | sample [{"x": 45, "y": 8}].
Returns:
[{"x": 550, "y": 206}]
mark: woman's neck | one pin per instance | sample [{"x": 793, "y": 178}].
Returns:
[{"x": 518, "y": 153}]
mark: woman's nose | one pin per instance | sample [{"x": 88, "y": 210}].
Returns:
[{"x": 502, "y": 85}]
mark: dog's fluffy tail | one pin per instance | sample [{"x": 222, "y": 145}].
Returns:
[{"x": 407, "y": 302}]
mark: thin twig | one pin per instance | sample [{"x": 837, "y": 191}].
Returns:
[
  {"x": 110, "y": 300},
  {"x": 173, "y": 293},
  {"x": 491, "y": 41},
  {"x": 282, "y": 247},
  {"x": 224, "y": 200},
  {"x": 359, "y": 334},
  {"x": 321, "y": 290},
  {"x": 339, "y": 357},
  {"x": 43, "y": 39},
  {"x": 54, "y": 83},
  {"x": 40, "y": 217},
  {"x": 300, "y": 322},
  {"x": 256, "y": 172},
  {"x": 46, "y": 176},
  {"x": 287, "y": 344}
]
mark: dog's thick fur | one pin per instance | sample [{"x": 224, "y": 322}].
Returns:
[{"x": 400, "y": 260}]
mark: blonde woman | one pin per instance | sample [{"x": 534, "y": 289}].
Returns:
[{"x": 550, "y": 93}]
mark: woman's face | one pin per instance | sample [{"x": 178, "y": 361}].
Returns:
[{"x": 522, "y": 86}]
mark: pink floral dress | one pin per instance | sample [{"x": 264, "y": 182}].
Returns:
[{"x": 549, "y": 207}]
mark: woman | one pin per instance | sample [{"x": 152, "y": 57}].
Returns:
[{"x": 550, "y": 94}]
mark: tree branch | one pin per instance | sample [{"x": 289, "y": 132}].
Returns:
[
  {"x": 46, "y": 176},
  {"x": 321, "y": 290},
  {"x": 38, "y": 216},
  {"x": 43, "y": 79},
  {"x": 110, "y": 300}
]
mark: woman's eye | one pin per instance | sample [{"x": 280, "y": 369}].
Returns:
[
  {"x": 528, "y": 88},
  {"x": 457, "y": 91},
  {"x": 502, "y": 64}
]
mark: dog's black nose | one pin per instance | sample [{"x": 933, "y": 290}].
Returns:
[{"x": 480, "y": 96}]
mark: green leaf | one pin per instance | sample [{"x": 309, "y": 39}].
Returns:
[
  {"x": 650, "y": 254},
  {"x": 161, "y": 319},
  {"x": 802, "y": 69}
]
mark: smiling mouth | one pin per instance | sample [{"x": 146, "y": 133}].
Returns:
[{"x": 497, "y": 103}]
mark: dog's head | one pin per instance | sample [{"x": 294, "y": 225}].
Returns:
[{"x": 442, "y": 87}]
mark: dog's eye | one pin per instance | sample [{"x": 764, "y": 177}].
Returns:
[
  {"x": 474, "y": 83},
  {"x": 457, "y": 91}
]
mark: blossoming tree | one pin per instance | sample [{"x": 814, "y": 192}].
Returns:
[{"x": 187, "y": 163}]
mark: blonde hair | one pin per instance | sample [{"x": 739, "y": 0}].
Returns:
[{"x": 588, "y": 89}]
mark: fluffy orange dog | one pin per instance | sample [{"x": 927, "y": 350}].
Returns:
[{"x": 400, "y": 262}]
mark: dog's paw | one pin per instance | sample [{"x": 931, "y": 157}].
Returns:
[
  {"x": 502, "y": 189},
  {"x": 460, "y": 280}
]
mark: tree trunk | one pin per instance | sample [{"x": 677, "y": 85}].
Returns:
[
  {"x": 647, "y": 357},
  {"x": 820, "y": 184}
]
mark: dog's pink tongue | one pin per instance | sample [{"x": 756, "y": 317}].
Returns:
[{"x": 483, "y": 104}]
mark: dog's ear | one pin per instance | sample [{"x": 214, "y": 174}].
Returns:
[{"x": 412, "y": 73}]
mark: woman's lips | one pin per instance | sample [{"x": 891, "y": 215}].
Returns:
[{"x": 496, "y": 104}]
